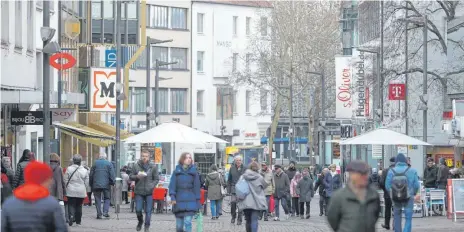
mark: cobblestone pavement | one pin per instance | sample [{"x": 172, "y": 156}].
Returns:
[{"x": 165, "y": 223}]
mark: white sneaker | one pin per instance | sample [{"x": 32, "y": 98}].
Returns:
[
  {"x": 287, "y": 216},
  {"x": 276, "y": 219}
]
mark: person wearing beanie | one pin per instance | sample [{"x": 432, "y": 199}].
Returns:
[
  {"x": 386, "y": 195},
  {"x": 31, "y": 208},
  {"x": 396, "y": 176}
]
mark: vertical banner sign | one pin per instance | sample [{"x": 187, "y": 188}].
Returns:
[
  {"x": 103, "y": 90},
  {"x": 343, "y": 81},
  {"x": 361, "y": 89},
  {"x": 158, "y": 155},
  {"x": 396, "y": 92},
  {"x": 110, "y": 58}
]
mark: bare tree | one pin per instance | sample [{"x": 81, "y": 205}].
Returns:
[
  {"x": 445, "y": 72},
  {"x": 298, "y": 37}
]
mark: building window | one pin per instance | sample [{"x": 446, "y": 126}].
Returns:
[
  {"x": 248, "y": 25},
  {"x": 30, "y": 25},
  {"x": 200, "y": 23},
  {"x": 200, "y": 94},
  {"x": 247, "y": 101},
  {"x": 5, "y": 22},
  {"x": 158, "y": 16},
  {"x": 234, "y": 62},
  {"x": 263, "y": 99},
  {"x": 234, "y": 106},
  {"x": 159, "y": 53},
  {"x": 179, "y": 55},
  {"x": 263, "y": 63},
  {"x": 200, "y": 61},
  {"x": 163, "y": 103},
  {"x": 248, "y": 61},
  {"x": 96, "y": 10},
  {"x": 140, "y": 100},
  {"x": 131, "y": 11},
  {"x": 18, "y": 25},
  {"x": 178, "y": 18},
  {"x": 109, "y": 9},
  {"x": 178, "y": 100},
  {"x": 234, "y": 25},
  {"x": 263, "y": 26}
]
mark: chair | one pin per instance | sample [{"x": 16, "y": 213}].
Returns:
[
  {"x": 437, "y": 197},
  {"x": 159, "y": 195}
]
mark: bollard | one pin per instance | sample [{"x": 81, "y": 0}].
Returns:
[{"x": 117, "y": 195}]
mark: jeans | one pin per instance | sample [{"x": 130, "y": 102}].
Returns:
[
  {"x": 408, "y": 210},
  {"x": 327, "y": 200},
  {"x": 289, "y": 204},
  {"x": 97, "y": 193},
  {"x": 308, "y": 208},
  {"x": 251, "y": 218},
  {"x": 75, "y": 208},
  {"x": 283, "y": 201},
  {"x": 184, "y": 224},
  {"x": 139, "y": 205},
  {"x": 215, "y": 207},
  {"x": 219, "y": 205},
  {"x": 295, "y": 206}
]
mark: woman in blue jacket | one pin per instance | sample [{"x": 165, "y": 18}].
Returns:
[{"x": 184, "y": 190}]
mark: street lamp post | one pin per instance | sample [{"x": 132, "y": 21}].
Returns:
[{"x": 151, "y": 41}]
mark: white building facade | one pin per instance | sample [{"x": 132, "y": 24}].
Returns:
[
  {"x": 220, "y": 36},
  {"x": 21, "y": 78}
]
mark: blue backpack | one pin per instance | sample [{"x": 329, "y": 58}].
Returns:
[{"x": 242, "y": 189}]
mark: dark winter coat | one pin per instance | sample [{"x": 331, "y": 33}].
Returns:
[
  {"x": 57, "y": 187},
  {"x": 374, "y": 181},
  {"x": 6, "y": 187},
  {"x": 305, "y": 189},
  {"x": 234, "y": 175},
  {"x": 19, "y": 175},
  {"x": 430, "y": 177},
  {"x": 184, "y": 188},
  {"x": 347, "y": 214},
  {"x": 214, "y": 185},
  {"x": 383, "y": 179},
  {"x": 320, "y": 185},
  {"x": 102, "y": 175},
  {"x": 145, "y": 186},
  {"x": 282, "y": 185},
  {"x": 291, "y": 173},
  {"x": 32, "y": 209},
  {"x": 332, "y": 183},
  {"x": 442, "y": 176}
]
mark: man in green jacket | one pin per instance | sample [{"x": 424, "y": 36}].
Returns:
[{"x": 357, "y": 206}]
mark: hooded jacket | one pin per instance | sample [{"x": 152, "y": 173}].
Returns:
[
  {"x": 293, "y": 184},
  {"x": 269, "y": 178},
  {"x": 442, "y": 176},
  {"x": 291, "y": 171},
  {"x": 374, "y": 179},
  {"x": 184, "y": 188},
  {"x": 430, "y": 176},
  {"x": 256, "y": 199},
  {"x": 411, "y": 174},
  {"x": 331, "y": 183},
  {"x": 145, "y": 186},
  {"x": 32, "y": 209},
  {"x": 214, "y": 184}
]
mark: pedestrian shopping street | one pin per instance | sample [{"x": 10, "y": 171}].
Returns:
[{"x": 166, "y": 223}]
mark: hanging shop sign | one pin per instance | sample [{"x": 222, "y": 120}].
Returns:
[
  {"x": 71, "y": 61},
  {"x": 103, "y": 90},
  {"x": 343, "y": 81},
  {"x": 22, "y": 118},
  {"x": 361, "y": 89},
  {"x": 396, "y": 92}
]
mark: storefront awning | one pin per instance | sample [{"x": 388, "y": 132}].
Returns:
[
  {"x": 84, "y": 133},
  {"x": 109, "y": 129}
]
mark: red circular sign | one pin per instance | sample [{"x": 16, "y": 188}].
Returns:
[{"x": 62, "y": 56}]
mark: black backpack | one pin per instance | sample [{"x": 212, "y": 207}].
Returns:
[{"x": 399, "y": 186}]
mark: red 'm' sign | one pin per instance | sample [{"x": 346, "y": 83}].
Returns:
[{"x": 397, "y": 92}]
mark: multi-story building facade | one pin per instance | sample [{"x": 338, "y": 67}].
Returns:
[
  {"x": 22, "y": 74},
  {"x": 221, "y": 32}
]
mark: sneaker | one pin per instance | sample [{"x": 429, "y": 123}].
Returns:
[
  {"x": 302, "y": 217},
  {"x": 287, "y": 216},
  {"x": 147, "y": 228},
  {"x": 308, "y": 216},
  {"x": 139, "y": 226},
  {"x": 266, "y": 219},
  {"x": 106, "y": 215},
  {"x": 321, "y": 214},
  {"x": 71, "y": 220},
  {"x": 276, "y": 219}
]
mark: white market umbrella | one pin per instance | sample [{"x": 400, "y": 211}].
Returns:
[
  {"x": 173, "y": 132},
  {"x": 383, "y": 136}
]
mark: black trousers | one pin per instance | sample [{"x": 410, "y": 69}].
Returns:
[
  {"x": 388, "y": 211},
  {"x": 322, "y": 204},
  {"x": 295, "y": 206},
  {"x": 89, "y": 196},
  {"x": 233, "y": 211},
  {"x": 289, "y": 205},
  {"x": 125, "y": 197},
  {"x": 75, "y": 208},
  {"x": 327, "y": 200},
  {"x": 308, "y": 207}
]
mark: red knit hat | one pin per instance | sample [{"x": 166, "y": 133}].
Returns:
[{"x": 37, "y": 173}]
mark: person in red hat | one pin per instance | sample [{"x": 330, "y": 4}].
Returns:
[{"x": 31, "y": 208}]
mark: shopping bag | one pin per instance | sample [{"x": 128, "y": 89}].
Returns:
[
  {"x": 272, "y": 204},
  {"x": 199, "y": 222}
]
